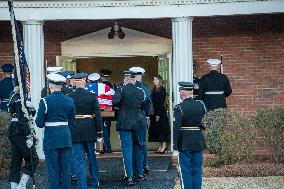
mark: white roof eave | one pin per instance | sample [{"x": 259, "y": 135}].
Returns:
[{"x": 80, "y": 10}]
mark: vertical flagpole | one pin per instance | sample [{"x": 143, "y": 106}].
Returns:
[
  {"x": 18, "y": 72},
  {"x": 46, "y": 84},
  {"x": 221, "y": 66},
  {"x": 17, "y": 60}
]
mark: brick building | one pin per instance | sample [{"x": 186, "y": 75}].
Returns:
[{"x": 250, "y": 34}]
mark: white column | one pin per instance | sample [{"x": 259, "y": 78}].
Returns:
[
  {"x": 182, "y": 53},
  {"x": 34, "y": 51}
]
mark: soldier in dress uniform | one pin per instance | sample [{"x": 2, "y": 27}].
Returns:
[
  {"x": 104, "y": 94},
  {"x": 147, "y": 110},
  {"x": 129, "y": 99},
  {"x": 67, "y": 87},
  {"x": 214, "y": 87},
  {"x": 105, "y": 77},
  {"x": 84, "y": 134},
  {"x": 65, "y": 90},
  {"x": 22, "y": 142},
  {"x": 56, "y": 114},
  {"x": 188, "y": 138},
  {"x": 6, "y": 86}
]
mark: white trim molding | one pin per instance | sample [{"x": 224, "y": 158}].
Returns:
[
  {"x": 110, "y": 9},
  {"x": 113, "y": 3}
]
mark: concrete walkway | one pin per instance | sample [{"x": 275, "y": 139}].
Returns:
[{"x": 241, "y": 183}]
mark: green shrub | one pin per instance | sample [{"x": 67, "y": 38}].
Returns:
[
  {"x": 270, "y": 124},
  {"x": 229, "y": 136},
  {"x": 4, "y": 144}
]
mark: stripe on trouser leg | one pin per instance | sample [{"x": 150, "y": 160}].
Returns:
[
  {"x": 125, "y": 174},
  {"x": 181, "y": 179}
]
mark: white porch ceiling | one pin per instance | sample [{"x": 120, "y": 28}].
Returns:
[{"x": 97, "y": 44}]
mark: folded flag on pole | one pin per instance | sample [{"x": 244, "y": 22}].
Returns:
[{"x": 21, "y": 71}]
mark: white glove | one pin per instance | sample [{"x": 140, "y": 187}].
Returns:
[
  {"x": 29, "y": 104},
  {"x": 100, "y": 139},
  {"x": 175, "y": 153},
  {"x": 30, "y": 142}
]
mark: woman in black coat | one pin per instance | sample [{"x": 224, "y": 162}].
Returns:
[{"x": 159, "y": 130}]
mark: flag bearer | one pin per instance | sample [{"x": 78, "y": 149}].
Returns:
[{"x": 22, "y": 143}]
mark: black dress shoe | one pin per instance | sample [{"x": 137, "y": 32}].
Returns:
[
  {"x": 146, "y": 171},
  {"x": 131, "y": 181},
  {"x": 141, "y": 178},
  {"x": 100, "y": 152},
  {"x": 108, "y": 151}
]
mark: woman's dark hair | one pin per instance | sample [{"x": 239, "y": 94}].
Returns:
[{"x": 161, "y": 83}]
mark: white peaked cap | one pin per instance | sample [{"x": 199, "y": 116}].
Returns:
[
  {"x": 213, "y": 62},
  {"x": 137, "y": 70},
  {"x": 53, "y": 69},
  {"x": 94, "y": 77},
  {"x": 56, "y": 78}
]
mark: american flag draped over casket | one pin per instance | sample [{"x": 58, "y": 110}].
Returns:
[{"x": 103, "y": 92}]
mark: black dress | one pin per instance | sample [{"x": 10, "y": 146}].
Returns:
[{"x": 159, "y": 131}]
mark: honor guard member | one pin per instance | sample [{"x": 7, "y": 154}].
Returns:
[
  {"x": 214, "y": 87},
  {"x": 129, "y": 99},
  {"x": 65, "y": 90},
  {"x": 147, "y": 110},
  {"x": 105, "y": 77},
  {"x": 84, "y": 134},
  {"x": 188, "y": 137},
  {"x": 104, "y": 94},
  {"x": 6, "y": 86},
  {"x": 56, "y": 114},
  {"x": 67, "y": 87},
  {"x": 22, "y": 143}
]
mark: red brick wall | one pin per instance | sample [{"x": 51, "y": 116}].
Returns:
[
  {"x": 6, "y": 45},
  {"x": 253, "y": 56},
  {"x": 253, "y": 50}
]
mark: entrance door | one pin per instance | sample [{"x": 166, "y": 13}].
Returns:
[
  {"x": 68, "y": 63},
  {"x": 163, "y": 69}
]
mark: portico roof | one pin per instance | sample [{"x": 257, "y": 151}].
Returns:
[{"x": 111, "y": 9}]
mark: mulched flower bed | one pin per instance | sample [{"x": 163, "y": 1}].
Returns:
[{"x": 258, "y": 169}]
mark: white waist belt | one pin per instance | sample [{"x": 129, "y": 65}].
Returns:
[
  {"x": 5, "y": 100},
  {"x": 52, "y": 124},
  {"x": 190, "y": 128},
  {"x": 214, "y": 92},
  {"x": 14, "y": 119}
]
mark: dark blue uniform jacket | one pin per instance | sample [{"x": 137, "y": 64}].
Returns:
[
  {"x": 188, "y": 114},
  {"x": 129, "y": 99},
  {"x": 6, "y": 87},
  {"x": 86, "y": 103},
  {"x": 212, "y": 82},
  {"x": 147, "y": 106},
  {"x": 58, "y": 108}
]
